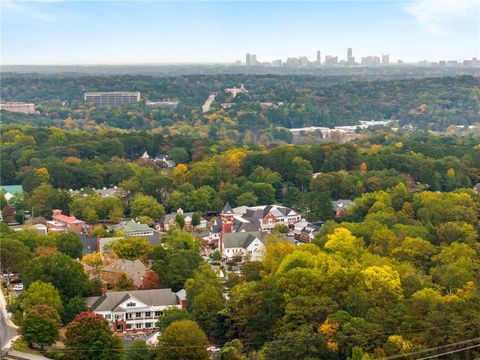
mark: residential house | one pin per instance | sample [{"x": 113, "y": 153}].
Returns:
[
  {"x": 103, "y": 192},
  {"x": 11, "y": 190},
  {"x": 134, "y": 229},
  {"x": 305, "y": 231},
  {"x": 137, "y": 310},
  {"x": 102, "y": 243},
  {"x": 341, "y": 206},
  {"x": 247, "y": 245},
  {"x": 40, "y": 229},
  {"x": 166, "y": 221},
  {"x": 134, "y": 270},
  {"x": 64, "y": 223}
]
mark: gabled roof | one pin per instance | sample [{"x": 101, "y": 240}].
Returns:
[
  {"x": 240, "y": 239},
  {"x": 135, "y": 270},
  {"x": 12, "y": 189},
  {"x": 131, "y": 226},
  {"x": 111, "y": 300},
  {"x": 341, "y": 204}
]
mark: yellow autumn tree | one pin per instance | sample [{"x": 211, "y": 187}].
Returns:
[
  {"x": 43, "y": 173},
  {"x": 363, "y": 168},
  {"x": 93, "y": 259}
]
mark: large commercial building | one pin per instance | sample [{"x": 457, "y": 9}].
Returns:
[
  {"x": 18, "y": 107},
  {"x": 251, "y": 59},
  {"x": 111, "y": 99}
]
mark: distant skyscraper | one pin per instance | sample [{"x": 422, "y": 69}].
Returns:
[
  {"x": 319, "y": 57},
  {"x": 248, "y": 59},
  {"x": 303, "y": 60},
  {"x": 331, "y": 60},
  {"x": 385, "y": 59},
  {"x": 350, "y": 58}
]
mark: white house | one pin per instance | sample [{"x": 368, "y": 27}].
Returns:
[
  {"x": 135, "y": 311},
  {"x": 245, "y": 244}
]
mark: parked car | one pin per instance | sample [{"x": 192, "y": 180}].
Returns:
[{"x": 18, "y": 287}]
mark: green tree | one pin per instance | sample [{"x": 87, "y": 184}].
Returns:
[
  {"x": 124, "y": 283},
  {"x": 41, "y": 293},
  {"x": 139, "y": 350},
  {"x": 232, "y": 350},
  {"x": 14, "y": 255},
  {"x": 40, "y": 326},
  {"x": 66, "y": 274},
  {"x": 72, "y": 308},
  {"x": 205, "y": 298},
  {"x": 70, "y": 244},
  {"x": 182, "y": 340},
  {"x": 180, "y": 220},
  {"x": 146, "y": 205},
  {"x": 132, "y": 248},
  {"x": 171, "y": 315},
  {"x": 280, "y": 229},
  {"x": 196, "y": 219},
  {"x": 303, "y": 343},
  {"x": 89, "y": 337},
  {"x": 247, "y": 199}
]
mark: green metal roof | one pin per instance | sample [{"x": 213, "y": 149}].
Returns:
[{"x": 12, "y": 189}]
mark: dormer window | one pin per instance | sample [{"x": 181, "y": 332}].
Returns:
[{"x": 131, "y": 304}]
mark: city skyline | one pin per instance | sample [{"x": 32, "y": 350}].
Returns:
[{"x": 105, "y": 32}]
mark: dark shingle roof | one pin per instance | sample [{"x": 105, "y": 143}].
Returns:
[
  {"x": 227, "y": 209},
  {"x": 240, "y": 239},
  {"x": 111, "y": 300}
]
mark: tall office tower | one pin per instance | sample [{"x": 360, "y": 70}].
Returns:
[
  {"x": 248, "y": 59},
  {"x": 319, "y": 57},
  {"x": 111, "y": 99},
  {"x": 385, "y": 59},
  {"x": 254, "y": 60},
  {"x": 350, "y": 58}
]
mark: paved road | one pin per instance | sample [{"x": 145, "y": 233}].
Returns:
[
  {"x": 16, "y": 355},
  {"x": 7, "y": 329}
]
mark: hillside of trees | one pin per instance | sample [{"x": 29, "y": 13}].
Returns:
[{"x": 427, "y": 103}]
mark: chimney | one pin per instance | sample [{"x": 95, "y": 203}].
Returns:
[{"x": 56, "y": 212}]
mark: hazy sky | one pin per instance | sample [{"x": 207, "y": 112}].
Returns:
[{"x": 120, "y": 32}]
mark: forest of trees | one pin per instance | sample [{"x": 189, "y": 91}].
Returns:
[
  {"x": 428, "y": 103},
  {"x": 50, "y": 161}
]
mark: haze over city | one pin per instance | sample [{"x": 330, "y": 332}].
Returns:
[{"x": 224, "y": 31}]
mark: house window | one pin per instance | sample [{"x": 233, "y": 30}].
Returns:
[
  {"x": 148, "y": 314},
  {"x": 138, "y": 315},
  {"x": 108, "y": 316},
  {"x": 158, "y": 313},
  {"x": 138, "y": 326},
  {"x": 129, "y": 326},
  {"x": 129, "y": 315},
  {"x": 131, "y": 304},
  {"x": 148, "y": 325}
]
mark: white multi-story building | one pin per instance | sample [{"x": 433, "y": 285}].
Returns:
[
  {"x": 111, "y": 99},
  {"x": 135, "y": 311}
]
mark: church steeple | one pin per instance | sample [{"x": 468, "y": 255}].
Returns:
[{"x": 227, "y": 209}]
